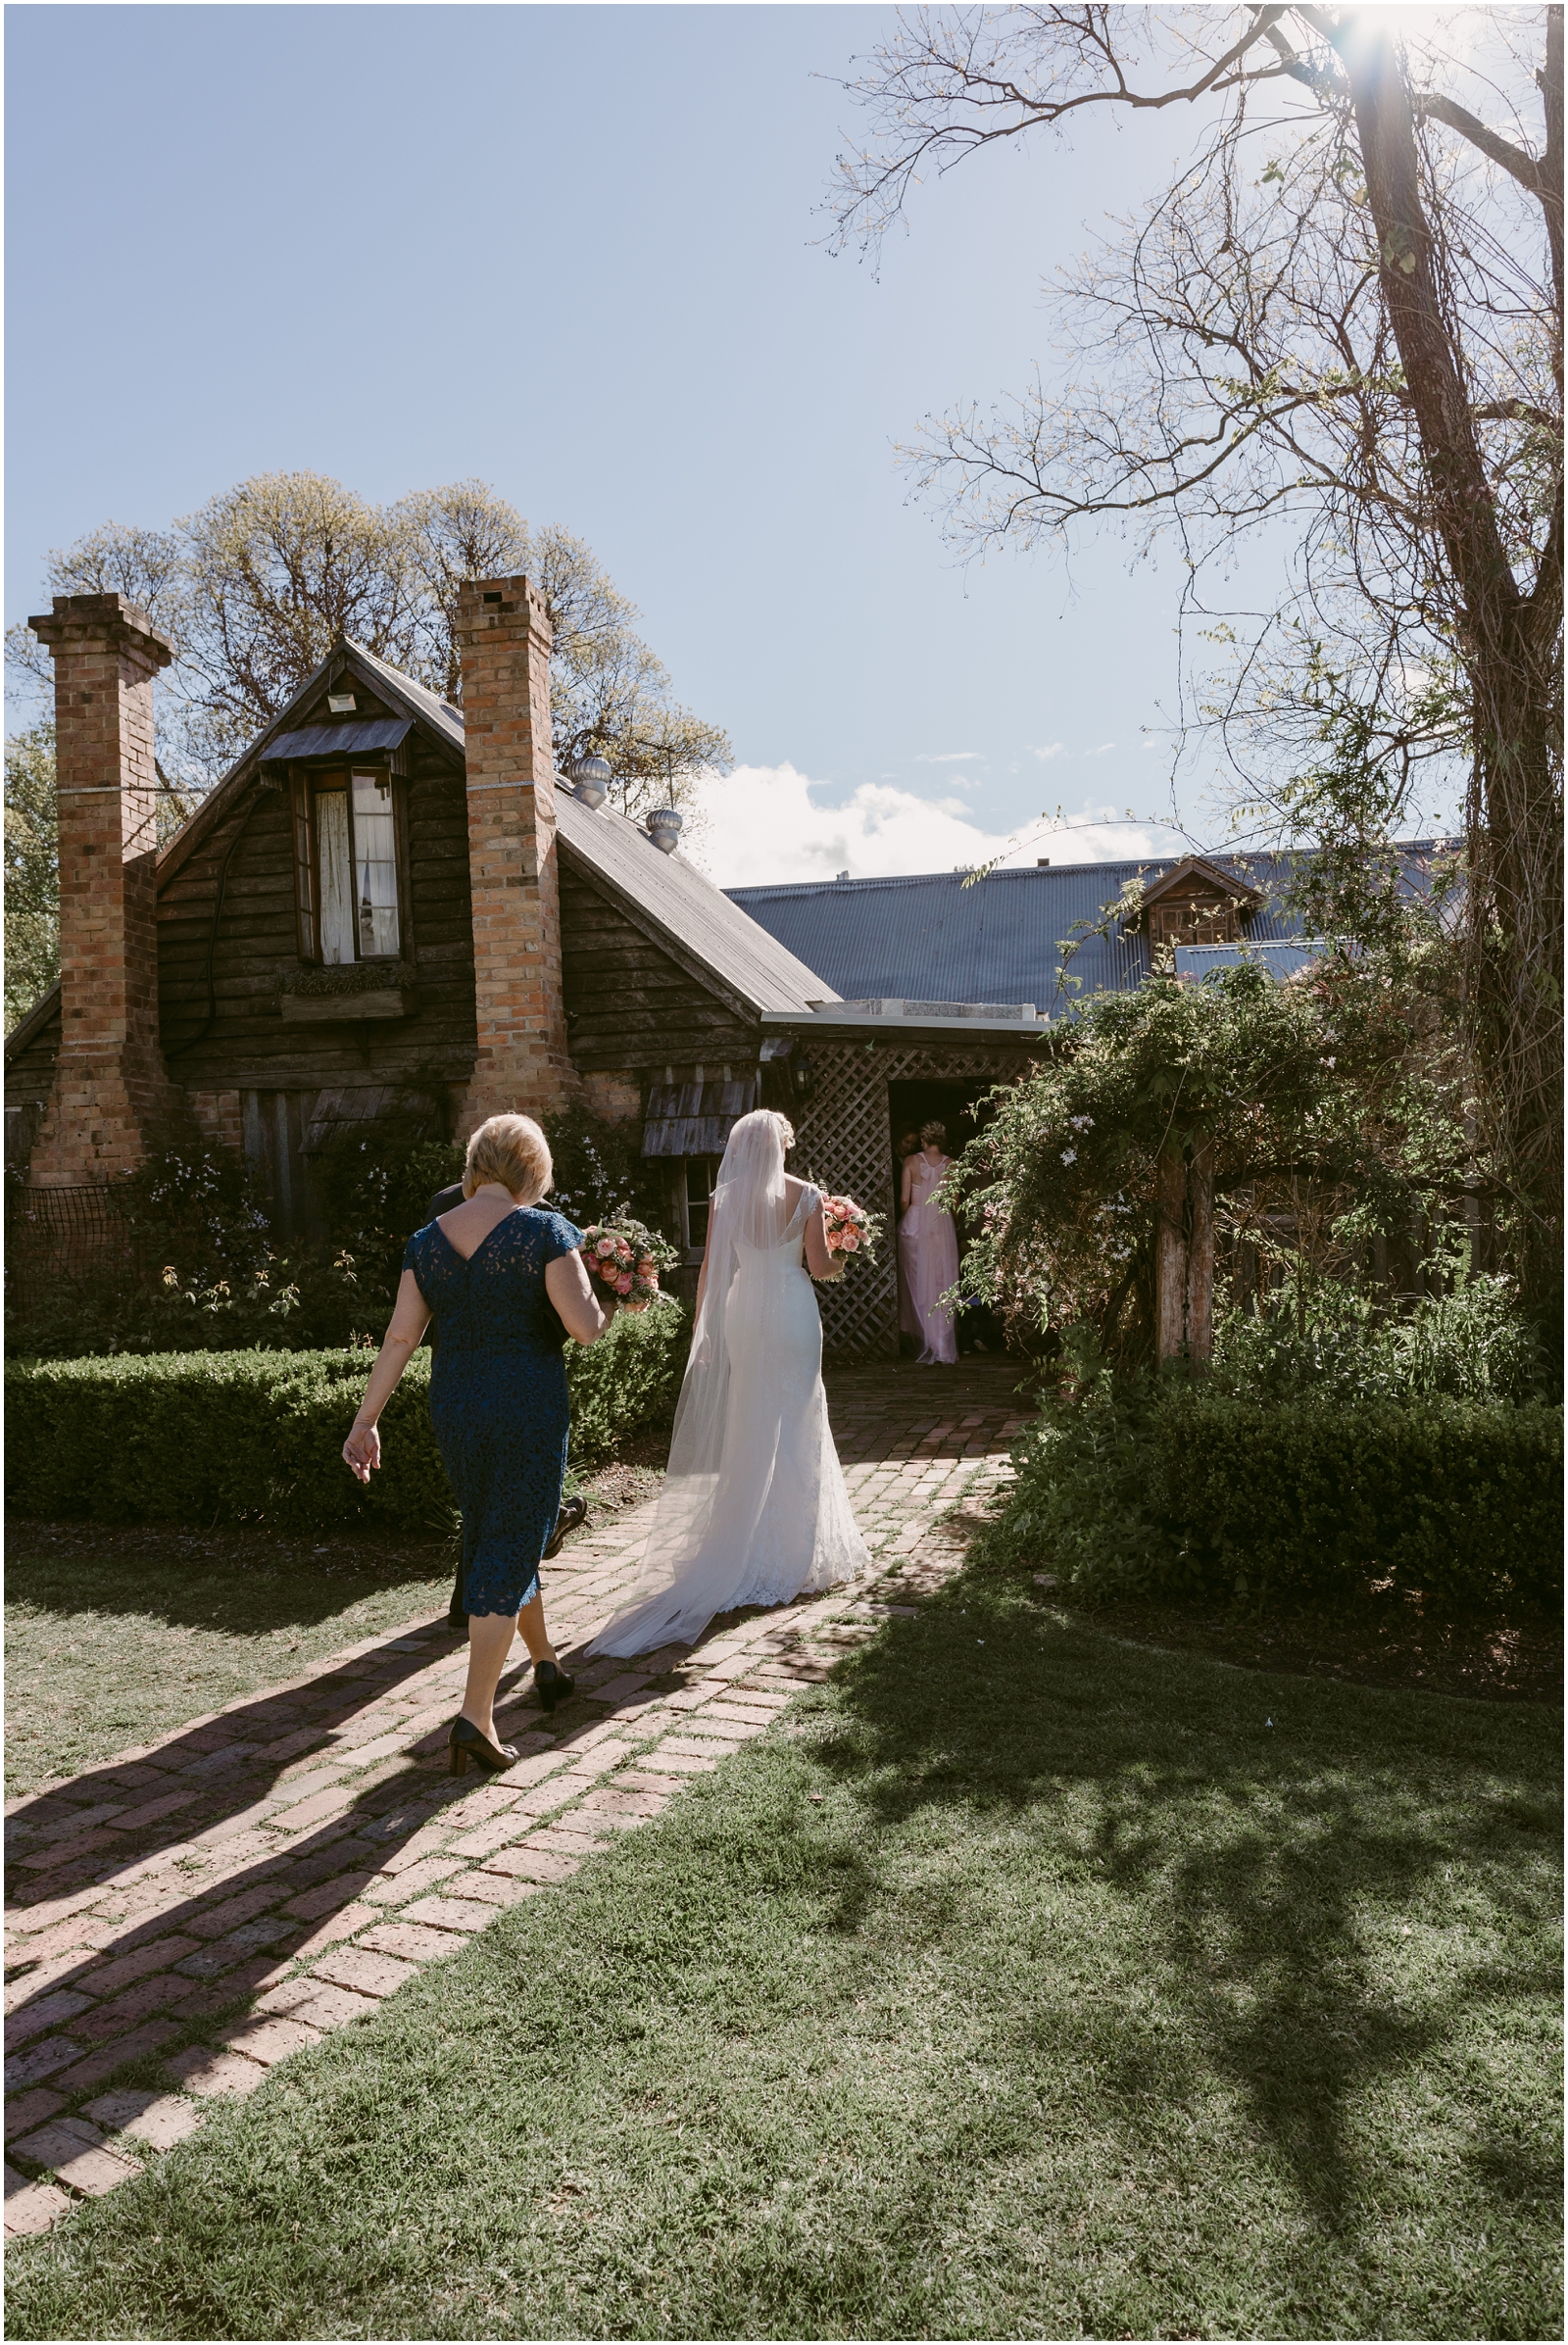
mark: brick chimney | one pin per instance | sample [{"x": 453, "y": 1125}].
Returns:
[
  {"x": 112, "y": 1100},
  {"x": 504, "y": 641}
]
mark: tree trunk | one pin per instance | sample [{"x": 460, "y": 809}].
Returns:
[
  {"x": 1170, "y": 1253},
  {"x": 1509, "y": 645},
  {"x": 1201, "y": 1256}
]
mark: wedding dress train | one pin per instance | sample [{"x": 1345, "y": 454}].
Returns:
[{"x": 754, "y": 1509}]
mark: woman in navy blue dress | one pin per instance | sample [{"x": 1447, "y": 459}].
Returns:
[{"x": 501, "y": 1277}]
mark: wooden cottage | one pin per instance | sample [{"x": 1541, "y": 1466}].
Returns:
[{"x": 391, "y": 905}]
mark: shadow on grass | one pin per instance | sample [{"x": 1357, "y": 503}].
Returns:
[
  {"x": 1020, "y": 1981},
  {"x": 1270, "y": 1824},
  {"x": 200, "y": 1793},
  {"x": 263, "y": 1591}
]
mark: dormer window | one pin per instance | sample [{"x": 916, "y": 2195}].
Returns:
[
  {"x": 347, "y": 858},
  {"x": 1193, "y": 921},
  {"x": 1198, "y": 903}
]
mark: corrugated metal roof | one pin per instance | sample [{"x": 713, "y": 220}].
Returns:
[
  {"x": 1004, "y": 939},
  {"x": 669, "y": 890},
  {"x": 342, "y": 740},
  {"x": 436, "y": 711},
  {"x": 1280, "y": 961},
  {"x": 699, "y": 917}
]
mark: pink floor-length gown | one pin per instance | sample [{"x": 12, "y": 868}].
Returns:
[{"x": 928, "y": 1259}]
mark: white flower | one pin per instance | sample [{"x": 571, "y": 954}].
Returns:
[{"x": 1069, "y": 1155}]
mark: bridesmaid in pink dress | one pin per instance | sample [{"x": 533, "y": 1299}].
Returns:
[{"x": 928, "y": 1250}]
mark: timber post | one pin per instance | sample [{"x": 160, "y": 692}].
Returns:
[
  {"x": 1184, "y": 1253},
  {"x": 1170, "y": 1251}
]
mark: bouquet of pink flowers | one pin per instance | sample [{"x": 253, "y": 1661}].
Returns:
[
  {"x": 850, "y": 1230},
  {"x": 627, "y": 1258}
]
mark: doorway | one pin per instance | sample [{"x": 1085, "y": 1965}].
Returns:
[{"x": 965, "y": 1111}]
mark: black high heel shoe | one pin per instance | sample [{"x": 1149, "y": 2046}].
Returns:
[
  {"x": 573, "y": 1513},
  {"x": 551, "y": 1684},
  {"x": 464, "y": 1742}
]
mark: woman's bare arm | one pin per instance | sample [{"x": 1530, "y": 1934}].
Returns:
[
  {"x": 907, "y": 1189},
  {"x": 410, "y": 1316},
  {"x": 577, "y": 1307}
]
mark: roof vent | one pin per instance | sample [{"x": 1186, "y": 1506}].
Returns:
[
  {"x": 663, "y": 828},
  {"x": 841, "y": 875},
  {"x": 1043, "y": 862},
  {"x": 591, "y": 778}
]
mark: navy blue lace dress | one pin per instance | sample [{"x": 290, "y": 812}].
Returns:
[{"x": 498, "y": 1394}]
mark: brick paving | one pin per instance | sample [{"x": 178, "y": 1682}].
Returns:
[{"x": 206, "y": 1906}]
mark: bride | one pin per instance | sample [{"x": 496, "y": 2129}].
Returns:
[{"x": 754, "y": 1509}]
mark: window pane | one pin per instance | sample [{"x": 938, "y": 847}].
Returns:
[
  {"x": 375, "y": 867},
  {"x": 701, "y": 1173},
  {"x": 336, "y": 873}
]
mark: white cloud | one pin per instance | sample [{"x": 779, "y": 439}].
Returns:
[
  {"x": 1052, "y": 749},
  {"x": 949, "y": 756},
  {"x": 764, "y": 825}
]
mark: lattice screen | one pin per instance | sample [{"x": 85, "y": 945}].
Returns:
[{"x": 844, "y": 1142}]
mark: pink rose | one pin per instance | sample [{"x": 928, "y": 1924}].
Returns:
[
  {"x": 850, "y": 1241},
  {"x": 604, "y": 1247},
  {"x": 624, "y": 1282}
]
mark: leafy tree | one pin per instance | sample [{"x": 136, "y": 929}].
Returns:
[
  {"x": 32, "y": 875},
  {"x": 1345, "y": 312},
  {"x": 256, "y": 587},
  {"x": 1302, "y": 1119}
]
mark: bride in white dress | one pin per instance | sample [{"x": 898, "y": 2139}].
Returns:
[{"x": 754, "y": 1509}]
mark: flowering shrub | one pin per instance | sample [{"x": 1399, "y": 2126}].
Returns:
[{"x": 1334, "y": 1107}]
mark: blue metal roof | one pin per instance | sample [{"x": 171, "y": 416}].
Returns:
[
  {"x": 1279, "y": 960},
  {"x": 1001, "y": 940}
]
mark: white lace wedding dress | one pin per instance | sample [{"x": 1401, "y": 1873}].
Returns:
[{"x": 754, "y": 1509}]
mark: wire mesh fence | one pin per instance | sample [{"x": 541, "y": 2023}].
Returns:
[{"x": 66, "y": 1237}]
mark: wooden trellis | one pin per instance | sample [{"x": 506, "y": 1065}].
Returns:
[{"x": 843, "y": 1142}]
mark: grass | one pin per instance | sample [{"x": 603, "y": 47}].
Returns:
[
  {"x": 1019, "y": 1982},
  {"x": 113, "y": 1642},
  {"x": 115, "y": 1638}
]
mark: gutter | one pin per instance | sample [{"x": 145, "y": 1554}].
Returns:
[{"x": 849, "y": 1023}]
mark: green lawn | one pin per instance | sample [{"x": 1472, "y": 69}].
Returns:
[
  {"x": 1021, "y": 1982},
  {"x": 108, "y": 1650}
]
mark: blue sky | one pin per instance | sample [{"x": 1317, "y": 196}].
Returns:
[{"x": 574, "y": 251}]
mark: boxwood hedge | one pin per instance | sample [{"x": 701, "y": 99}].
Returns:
[
  {"x": 208, "y": 1437},
  {"x": 1190, "y": 1492},
  {"x": 1460, "y": 1499}
]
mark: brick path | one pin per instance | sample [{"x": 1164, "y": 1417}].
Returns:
[{"x": 205, "y": 1906}]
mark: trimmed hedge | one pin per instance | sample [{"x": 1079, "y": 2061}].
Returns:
[
  {"x": 208, "y": 1437},
  {"x": 1194, "y": 1492},
  {"x": 1460, "y": 1499}
]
